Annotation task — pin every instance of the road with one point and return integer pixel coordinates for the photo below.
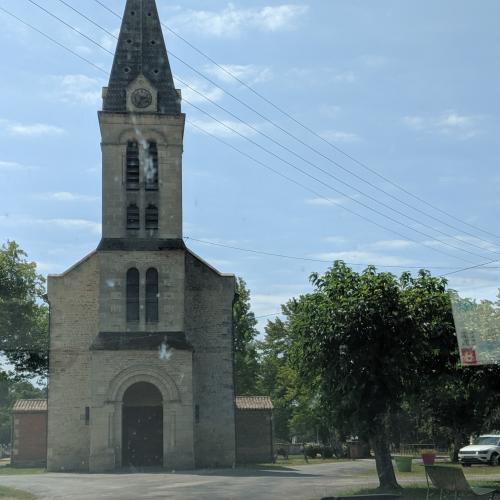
(308, 482)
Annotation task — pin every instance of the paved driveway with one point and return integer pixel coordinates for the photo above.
(298, 482)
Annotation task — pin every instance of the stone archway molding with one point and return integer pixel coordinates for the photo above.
(142, 373)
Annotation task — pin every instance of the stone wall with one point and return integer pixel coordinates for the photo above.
(74, 307)
(29, 445)
(254, 436)
(209, 328)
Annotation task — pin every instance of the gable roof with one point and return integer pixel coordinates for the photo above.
(254, 403)
(30, 405)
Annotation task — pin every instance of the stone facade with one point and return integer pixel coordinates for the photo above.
(99, 350)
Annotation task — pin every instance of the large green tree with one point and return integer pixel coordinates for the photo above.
(368, 341)
(23, 312)
(245, 348)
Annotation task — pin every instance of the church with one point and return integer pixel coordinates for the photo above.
(141, 330)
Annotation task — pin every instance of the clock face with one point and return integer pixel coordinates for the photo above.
(142, 98)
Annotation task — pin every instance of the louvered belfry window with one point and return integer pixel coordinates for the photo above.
(151, 218)
(133, 217)
(132, 295)
(132, 165)
(151, 167)
(151, 295)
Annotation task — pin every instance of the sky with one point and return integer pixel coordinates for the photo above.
(408, 90)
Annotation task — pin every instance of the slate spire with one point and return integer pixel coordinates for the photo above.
(141, 51)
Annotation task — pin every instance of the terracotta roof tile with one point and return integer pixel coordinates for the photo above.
(254, 403)
(29, 405)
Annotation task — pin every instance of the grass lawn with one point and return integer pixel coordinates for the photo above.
(417, 491)
(7, 470)
(300, 460)
(11, 493)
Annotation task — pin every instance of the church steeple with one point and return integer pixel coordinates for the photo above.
(141, 55)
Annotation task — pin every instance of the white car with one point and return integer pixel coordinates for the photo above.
(485, 450)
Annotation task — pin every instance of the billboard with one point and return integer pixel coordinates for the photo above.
(478, 331)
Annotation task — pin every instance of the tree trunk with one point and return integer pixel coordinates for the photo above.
(383, 461)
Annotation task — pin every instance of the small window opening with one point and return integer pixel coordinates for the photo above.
(152, 296)
(153, 42)
(87, 415)
(132, 165)
(132, 295)
(197, 414)
(151, 218)
(129, 41)
(133, 218)
(156, 71)
(132, 13)
(151, 166)
(126, 70)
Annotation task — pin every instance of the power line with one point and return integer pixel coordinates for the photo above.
(310, 259)
(91, 40)
(269, 168)
(5, 11)
(63, 46)
(255, 129)
(295, 154)
(350, 172)
(311, 131)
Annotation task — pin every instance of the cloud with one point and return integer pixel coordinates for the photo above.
(65, 196)
(391, 244)
(199, 87)
(336, 239)
(319, 76)
(32, 130)
(449, 123)
(345, 77)
(374, 61)
(339, 136)
(330, 110)
(249, 73)
(12, 166)
(68, 224)
(221, 130)
(109, 42)
(231, 21)
(364, 258)
(329, 201)
(78, 88)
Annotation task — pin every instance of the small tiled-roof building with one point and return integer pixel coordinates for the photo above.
(254, 429)
(29, 432)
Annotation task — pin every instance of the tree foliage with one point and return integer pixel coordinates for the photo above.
(245, 349)
(23, 314)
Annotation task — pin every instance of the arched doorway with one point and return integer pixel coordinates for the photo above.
(142, 426)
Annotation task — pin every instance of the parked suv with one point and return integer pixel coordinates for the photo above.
(485, 450)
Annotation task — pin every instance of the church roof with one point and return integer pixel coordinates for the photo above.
(254, 403)
(141, 51)
(30, 405)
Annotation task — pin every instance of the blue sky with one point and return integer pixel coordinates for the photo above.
(408, 88)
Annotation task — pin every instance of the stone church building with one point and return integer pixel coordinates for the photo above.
(141, 365)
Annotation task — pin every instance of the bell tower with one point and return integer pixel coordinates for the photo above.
(142, 131)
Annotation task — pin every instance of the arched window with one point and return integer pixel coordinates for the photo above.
(132, 165)
(133, 295)
(151, 218)
(151, 167)
(151, 296)
(133, 217)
